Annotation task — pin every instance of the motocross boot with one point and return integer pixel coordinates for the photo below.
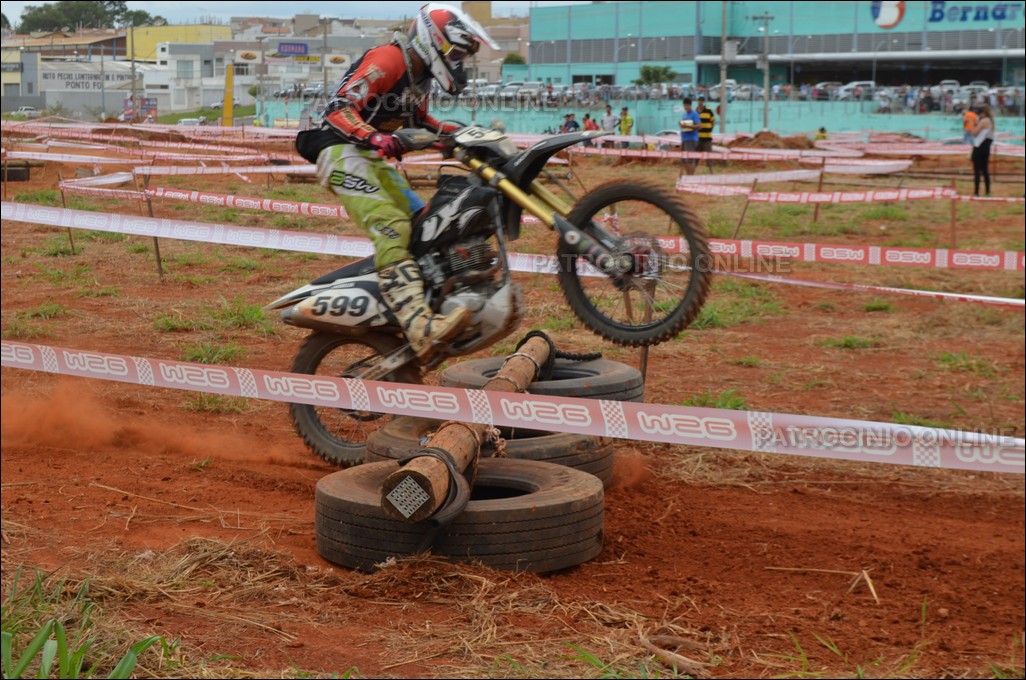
(403, 290)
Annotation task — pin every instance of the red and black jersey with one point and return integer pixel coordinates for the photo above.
(376, 95)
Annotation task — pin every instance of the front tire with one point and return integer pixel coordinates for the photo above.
(661, 291)
(339, 436)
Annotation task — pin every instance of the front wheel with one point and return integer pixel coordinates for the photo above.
(663, 264)
(339, 435)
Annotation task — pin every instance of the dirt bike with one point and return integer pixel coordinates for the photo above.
(612, 268)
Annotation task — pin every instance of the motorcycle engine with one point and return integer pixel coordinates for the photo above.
(464, 270)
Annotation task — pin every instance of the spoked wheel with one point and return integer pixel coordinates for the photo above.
(338, 435)
(662, 257)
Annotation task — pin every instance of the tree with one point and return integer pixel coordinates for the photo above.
(654, 75)
(513, 58)
(74, 14)
(4, 23)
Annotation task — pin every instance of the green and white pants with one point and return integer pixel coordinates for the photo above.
(377, 197)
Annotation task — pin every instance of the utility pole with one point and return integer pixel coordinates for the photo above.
(723, 69)
(765, 18)
(135, 101)
(324, 57)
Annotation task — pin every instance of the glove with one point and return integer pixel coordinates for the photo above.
(387, 146)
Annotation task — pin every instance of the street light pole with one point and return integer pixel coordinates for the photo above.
(723, 69)
(765, 18)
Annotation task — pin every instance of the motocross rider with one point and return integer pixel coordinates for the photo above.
(383, 91)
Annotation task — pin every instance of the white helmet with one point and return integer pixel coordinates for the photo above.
(443, 37)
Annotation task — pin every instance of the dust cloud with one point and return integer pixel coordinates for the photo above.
(75, 417)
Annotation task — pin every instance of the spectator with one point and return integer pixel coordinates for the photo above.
(983, 137)
(821, 134)
(626, 123)
(610, 122)
(570, 124)
(589, 123)
(690, 124)
(969, 119)
(705, 133)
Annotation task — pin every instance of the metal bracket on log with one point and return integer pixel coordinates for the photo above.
(418, 489)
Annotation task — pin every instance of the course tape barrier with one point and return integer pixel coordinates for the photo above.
(781, 433)
(867, 288)
(356, 246)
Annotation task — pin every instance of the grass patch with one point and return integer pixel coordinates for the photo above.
(138, 249)
(61, 277)
(239, 315)
(193, 258)
(50, 629)
(902, 418)
(961, 361)
(240, 264)
(39, 197)
(202, 402)
(100, 292)
(175, 322)
(728, 399)
(19, 329)
(825, 306)
(191, 280)
(58, 246)
(737, 302)
(747, 362)
(848, 342)
(211, 353)
(107, 236)
(885, 211)
(878, 305)
(47, 310)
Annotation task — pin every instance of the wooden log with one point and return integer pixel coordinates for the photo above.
(417, 490)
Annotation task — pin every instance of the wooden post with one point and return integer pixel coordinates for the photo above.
(744, 210)
(819, 188)
(156, 243)
(954, 213)
(426, 479)
(64, 204)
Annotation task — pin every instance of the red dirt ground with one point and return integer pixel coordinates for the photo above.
(742, 550)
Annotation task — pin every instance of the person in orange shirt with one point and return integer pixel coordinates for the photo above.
(969, 119)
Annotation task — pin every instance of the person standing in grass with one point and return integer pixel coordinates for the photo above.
(690, 124)
(705, 132)
(983, 137)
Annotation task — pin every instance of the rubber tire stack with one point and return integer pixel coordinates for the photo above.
(523, 515)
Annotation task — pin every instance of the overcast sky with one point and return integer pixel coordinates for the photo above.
(192, 12)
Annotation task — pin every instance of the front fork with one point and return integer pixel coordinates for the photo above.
(552, 211)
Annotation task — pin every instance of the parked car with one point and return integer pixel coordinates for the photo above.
(714, 93)
(747, 92)
(825, 91)
(979, 83)
(967, 96)
(219, 104)
(489, 93)
(508, 93)
(28, 112)
(855, 90)
(189, 121)
(944, 87)
(530, 91)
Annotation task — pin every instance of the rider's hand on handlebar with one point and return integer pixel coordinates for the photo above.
(387, 146)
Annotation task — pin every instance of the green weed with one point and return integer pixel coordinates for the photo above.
(848, 342)
(47, 310)
(202, 402)
(902, 418)
(747, 362)
(961, 361)
(175, 322)
(21, 330)
(878, 305)
(210, 353)
(100, 292)
(728, 399)
(58, 276)
(240, 264)
(39, 197)
(239, 315)
(58, 246)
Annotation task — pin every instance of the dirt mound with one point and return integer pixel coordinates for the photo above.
(771, 140)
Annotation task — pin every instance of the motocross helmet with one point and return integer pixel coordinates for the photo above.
(443, 37)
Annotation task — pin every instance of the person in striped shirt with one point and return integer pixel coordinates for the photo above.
(705, 132)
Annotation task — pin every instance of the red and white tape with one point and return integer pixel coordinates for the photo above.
(781, 433)
(355, 246)
(814, 197)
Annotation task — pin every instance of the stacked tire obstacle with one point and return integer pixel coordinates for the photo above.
(537, 502)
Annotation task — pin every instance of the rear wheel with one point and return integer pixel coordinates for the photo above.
(663, 264)
(339, 435)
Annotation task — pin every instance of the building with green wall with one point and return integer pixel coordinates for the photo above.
(915, 42)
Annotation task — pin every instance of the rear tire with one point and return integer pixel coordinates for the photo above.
(339, 436)
(596, 379)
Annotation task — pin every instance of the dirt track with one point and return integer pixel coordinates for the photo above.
(754, 560)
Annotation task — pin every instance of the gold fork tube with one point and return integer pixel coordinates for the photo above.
(537, 206)
(552, 200)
